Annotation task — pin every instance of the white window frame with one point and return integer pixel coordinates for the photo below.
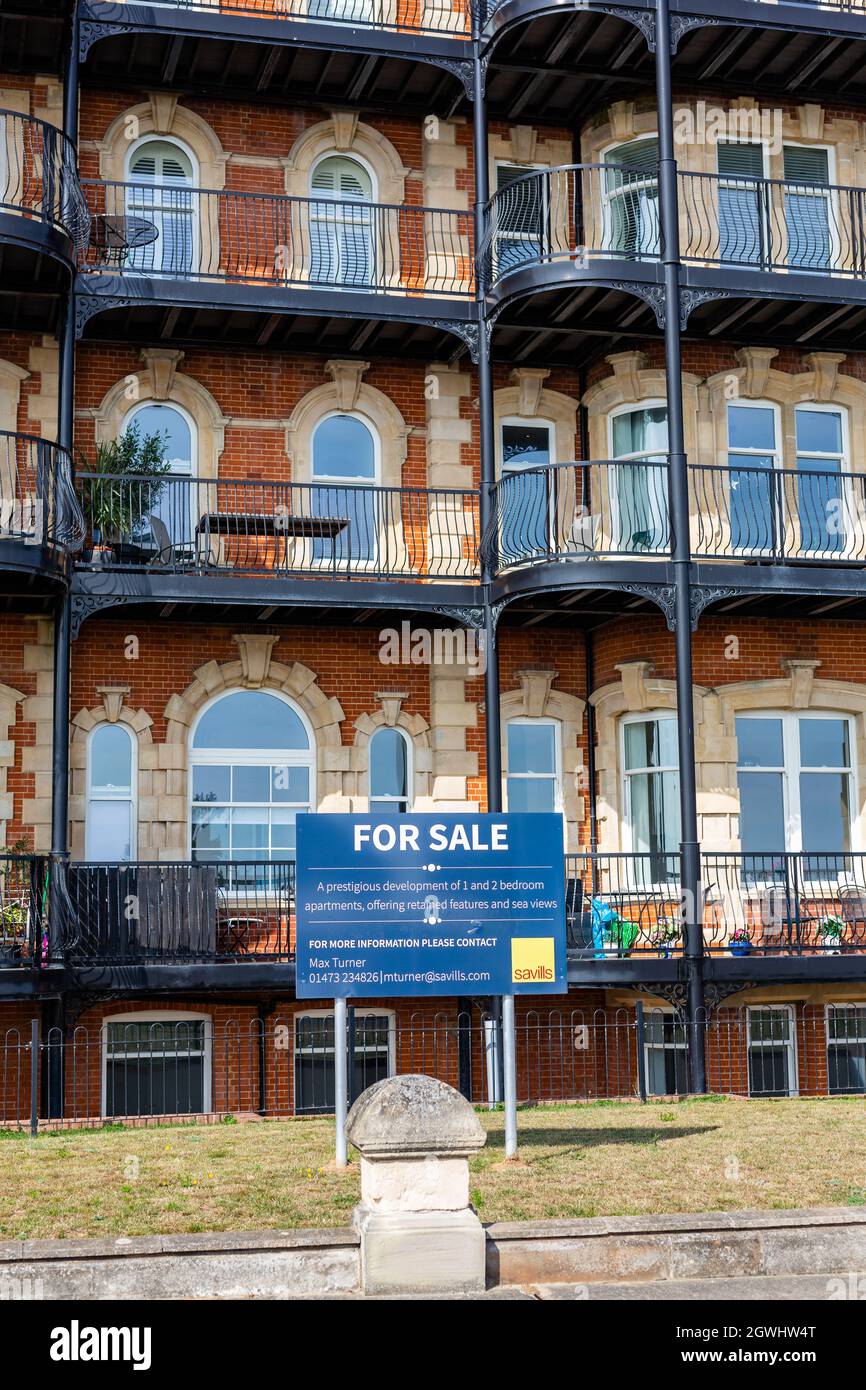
(195, 499)
(248, 757)
(162, 1016)
(777, 522)
(634, 408)
(196, 201)
(846, 480)
(360, 1011)
(410, 770)
(640, 717)
(535, 721)
(315, 196)
(831, 199)
(347, 481)
(842, 1005)
(790, 1045)
(792, 768)
(131, 800)
(649, 1046)
(511, 237)
(380, 519)
(608, 197)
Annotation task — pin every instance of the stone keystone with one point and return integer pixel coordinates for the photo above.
(418, 1232)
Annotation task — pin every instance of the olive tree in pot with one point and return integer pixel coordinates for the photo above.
(122, 487)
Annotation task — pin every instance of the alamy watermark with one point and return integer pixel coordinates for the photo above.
(439, 646)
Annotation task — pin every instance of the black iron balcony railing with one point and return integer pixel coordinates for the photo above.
(778, 514)
(772, 224)
(175, 912)
(578, 511)
(180, 233)
(39, 177)
(450, 17)
(619, 509)
(587, 212)
(23, 910)
(230, 526)
(38, 505)
(575, 213)
(617, 906)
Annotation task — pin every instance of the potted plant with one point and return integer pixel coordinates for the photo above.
(121, 487)
(13, 930)
(831, 930)
(739, 942)
(667, 931)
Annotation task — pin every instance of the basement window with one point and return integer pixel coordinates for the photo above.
(846, 1049)
(156, 1066)
(372, 1056)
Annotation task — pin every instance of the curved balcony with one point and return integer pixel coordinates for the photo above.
(43, 216)
(40, 519)
(227, 528)
(269, 253)
(402, 16)
(550, 58)
(742, 238)
(595, 514)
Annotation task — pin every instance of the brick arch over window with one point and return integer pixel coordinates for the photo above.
(114, 710)
(391, 715)
(537, 698)
(255, 670)
(159, 380)
(343, 133)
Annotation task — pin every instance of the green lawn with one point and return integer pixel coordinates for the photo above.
(588, 1160)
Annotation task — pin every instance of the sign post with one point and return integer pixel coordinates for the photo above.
(341, 1079)
(424, 905)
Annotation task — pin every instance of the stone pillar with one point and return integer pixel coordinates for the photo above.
(418, 1232)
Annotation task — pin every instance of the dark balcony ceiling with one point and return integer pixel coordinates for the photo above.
(573, 327)
(32, 35)
(560, 67)
(276, 329)
(268, 60)
(30, 287)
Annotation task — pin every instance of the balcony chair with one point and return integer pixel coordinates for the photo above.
(852, 901)
(167, 551)
(584, 533)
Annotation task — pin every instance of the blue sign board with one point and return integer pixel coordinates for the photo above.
(430, 904)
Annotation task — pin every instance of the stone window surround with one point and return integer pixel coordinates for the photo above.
(392, 715)
(537, 698)
(163, 802)
(160, 382)
(529, 398)
(347, 393)
(343, 133)
(715, 740)
(807, 124)
(9, 701)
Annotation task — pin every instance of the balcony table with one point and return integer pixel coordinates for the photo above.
(116, 234)
(254, 526)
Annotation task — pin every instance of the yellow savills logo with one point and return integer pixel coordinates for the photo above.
(532, 960)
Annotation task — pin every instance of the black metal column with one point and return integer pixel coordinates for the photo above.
(679, 511)
(487, 448)
(70, 82)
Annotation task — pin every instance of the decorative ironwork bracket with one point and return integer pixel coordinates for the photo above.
(653, 295)
(682, 24)
(468, 617)
(665, 598)
(83, 606)
(690, 299)
(86, 305)
(715, 994)
(90, 31)
(461, 68)
(644, 20)
(468, 330)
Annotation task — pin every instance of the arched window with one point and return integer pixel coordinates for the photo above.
(345, 456)
(341, 223)
(166, 520)
(252, 771)
(639, 485)
(650, 763)
(390, 771)
(160, 198)
(110, 818)
(631, 198)
(528, 498)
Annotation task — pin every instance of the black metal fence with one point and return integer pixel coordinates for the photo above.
(230, 526)
(130, 1066)
(38, 504)
(161, 229)
(39, 176)
(617, 906)
(450, 17)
